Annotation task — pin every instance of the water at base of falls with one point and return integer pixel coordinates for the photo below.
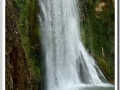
(92, 87)
(67, 62)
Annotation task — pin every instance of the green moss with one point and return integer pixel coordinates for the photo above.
(109, 73)
(103, 65)
(98, 34)
(30, 34)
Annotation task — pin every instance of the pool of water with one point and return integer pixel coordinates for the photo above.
(97, 88)
(93, 87)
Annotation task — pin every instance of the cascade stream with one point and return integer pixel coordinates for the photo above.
(68, 64)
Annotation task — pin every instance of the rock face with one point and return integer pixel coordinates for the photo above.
(18, 75)
(97, 31)
(99, 9)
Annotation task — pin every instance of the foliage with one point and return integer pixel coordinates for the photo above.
(31, 36)
(97, 30)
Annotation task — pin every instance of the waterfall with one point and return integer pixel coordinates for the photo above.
(67, 61)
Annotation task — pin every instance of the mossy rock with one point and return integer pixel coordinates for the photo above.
(103, 66)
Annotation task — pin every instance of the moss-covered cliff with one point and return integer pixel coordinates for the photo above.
(97, 25)
(24, 57)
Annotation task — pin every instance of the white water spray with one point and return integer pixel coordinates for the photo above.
(67, 62)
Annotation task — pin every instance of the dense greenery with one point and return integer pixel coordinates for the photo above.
(98, 33)
(30, 34)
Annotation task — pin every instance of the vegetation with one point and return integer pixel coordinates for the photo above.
(97, 25)
(30, 36)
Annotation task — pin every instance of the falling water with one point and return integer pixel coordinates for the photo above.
(68, 64)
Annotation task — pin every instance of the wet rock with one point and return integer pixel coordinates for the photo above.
(18, 76)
